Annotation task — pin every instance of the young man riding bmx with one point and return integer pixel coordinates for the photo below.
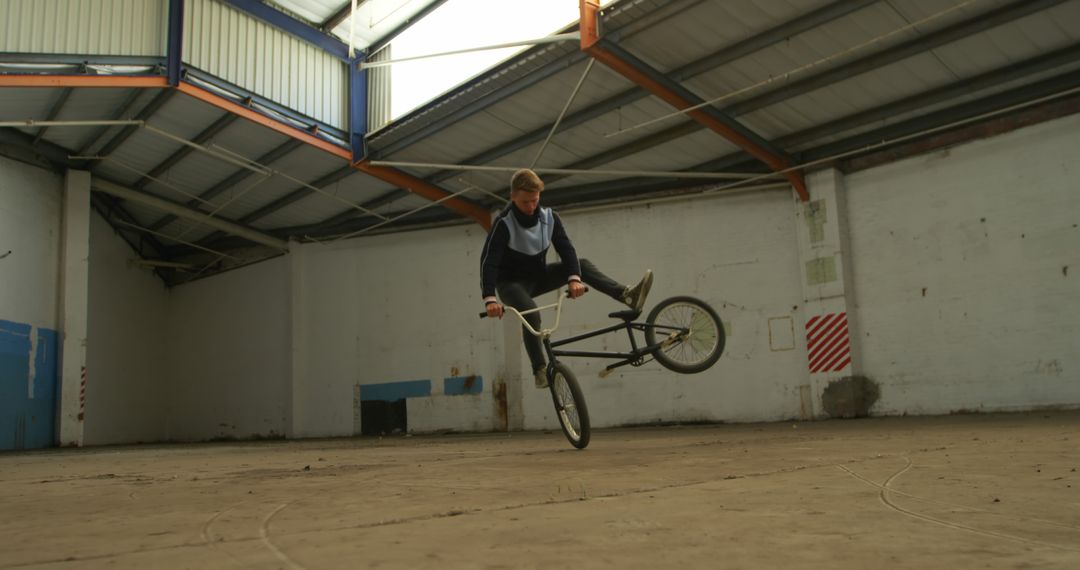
(514, 264)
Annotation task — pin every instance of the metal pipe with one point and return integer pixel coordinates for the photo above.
(225, 204)
(33, 123)
(621, 204)
(906, 137)
(143, 174)
(555, 127)
(152, 232)
(161, 263)
(650, 173)
(398, 217)
(197, 146)
(308, 186)
(178, 210)
(786, 76)
(567, 37)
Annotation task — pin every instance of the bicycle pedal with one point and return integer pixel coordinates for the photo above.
(604, 373)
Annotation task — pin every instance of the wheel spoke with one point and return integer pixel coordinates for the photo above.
(568, 414)
(699, 342)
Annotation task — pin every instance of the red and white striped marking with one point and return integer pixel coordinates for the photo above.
(827, 344)
(82, 395)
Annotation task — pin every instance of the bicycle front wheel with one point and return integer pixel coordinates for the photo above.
(689, 332)
(570, 406)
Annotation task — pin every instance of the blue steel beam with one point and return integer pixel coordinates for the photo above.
(292, 26)
(174, 63)
(358, 108)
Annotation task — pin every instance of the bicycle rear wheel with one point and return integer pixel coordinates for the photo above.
(570, 406)
(687, 352)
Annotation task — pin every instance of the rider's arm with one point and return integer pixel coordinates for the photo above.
(490, 258)
(565, 249)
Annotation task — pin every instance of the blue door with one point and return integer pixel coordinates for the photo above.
(27, 393)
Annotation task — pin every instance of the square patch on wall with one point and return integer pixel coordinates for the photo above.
(781, 334)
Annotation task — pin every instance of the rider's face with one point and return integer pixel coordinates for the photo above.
(525, 201)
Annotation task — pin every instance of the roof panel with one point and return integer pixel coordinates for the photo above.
(20, 104)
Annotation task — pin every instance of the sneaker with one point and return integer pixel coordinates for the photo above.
(540, 376)
(635, 296)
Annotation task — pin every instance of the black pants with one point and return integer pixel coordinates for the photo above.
(519, 295)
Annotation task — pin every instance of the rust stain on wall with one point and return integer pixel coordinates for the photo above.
(501, 415)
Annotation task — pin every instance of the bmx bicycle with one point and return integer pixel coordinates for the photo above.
(683, 334)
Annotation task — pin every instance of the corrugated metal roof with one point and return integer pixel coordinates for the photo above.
(806, 78)
(374, 18)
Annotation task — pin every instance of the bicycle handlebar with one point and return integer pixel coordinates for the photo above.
(521, 314)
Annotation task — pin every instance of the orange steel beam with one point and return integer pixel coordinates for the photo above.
(80, 81)
(256, 117)
(425, 189)
(186, 88)
(386, 174)
(590, 44)
(391, 175)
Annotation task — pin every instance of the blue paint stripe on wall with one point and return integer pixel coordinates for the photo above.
(393, 391)
(27, 422)
(14, 338)
(41, 422)
(462, 385)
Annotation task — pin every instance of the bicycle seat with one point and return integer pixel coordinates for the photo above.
(627, 315)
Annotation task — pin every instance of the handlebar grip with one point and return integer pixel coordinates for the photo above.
(483, 315)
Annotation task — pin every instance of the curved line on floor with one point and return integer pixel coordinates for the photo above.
(208, 539)
(958, 505)
(884, 489)
(264, 534)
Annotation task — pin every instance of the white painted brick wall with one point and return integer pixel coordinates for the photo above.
(997, 329)
(986, 230)
(396, 308)
(30, 206)
(403, 307)
(127, 372)
(228, 361)
(737, 253)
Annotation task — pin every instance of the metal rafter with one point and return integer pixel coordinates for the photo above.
(338, 17)
(293, 26)
(828, 13)
(125, 193)
(427, 190)
(53, 112)
(233, 179)
(267, 209)
(121, 111)
(532, 78)
(202, 138)
(144, 115)
(950, 34)
(726, 55)
(908, 128)
(981, 82)
(679, 97)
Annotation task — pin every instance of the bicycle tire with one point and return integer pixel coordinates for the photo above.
(570, 408)
(703, 346)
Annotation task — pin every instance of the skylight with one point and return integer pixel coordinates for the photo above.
(463, 24)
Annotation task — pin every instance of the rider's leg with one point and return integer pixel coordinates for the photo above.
(518, 295)
(593, 277)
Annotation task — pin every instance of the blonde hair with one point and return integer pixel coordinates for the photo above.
(526, 180)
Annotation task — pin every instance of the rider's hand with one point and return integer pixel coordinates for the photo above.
(576, 288)
(494, 310)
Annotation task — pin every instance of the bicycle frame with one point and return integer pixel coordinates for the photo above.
(635, 356)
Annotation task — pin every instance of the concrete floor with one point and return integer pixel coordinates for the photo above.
(986, 491)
